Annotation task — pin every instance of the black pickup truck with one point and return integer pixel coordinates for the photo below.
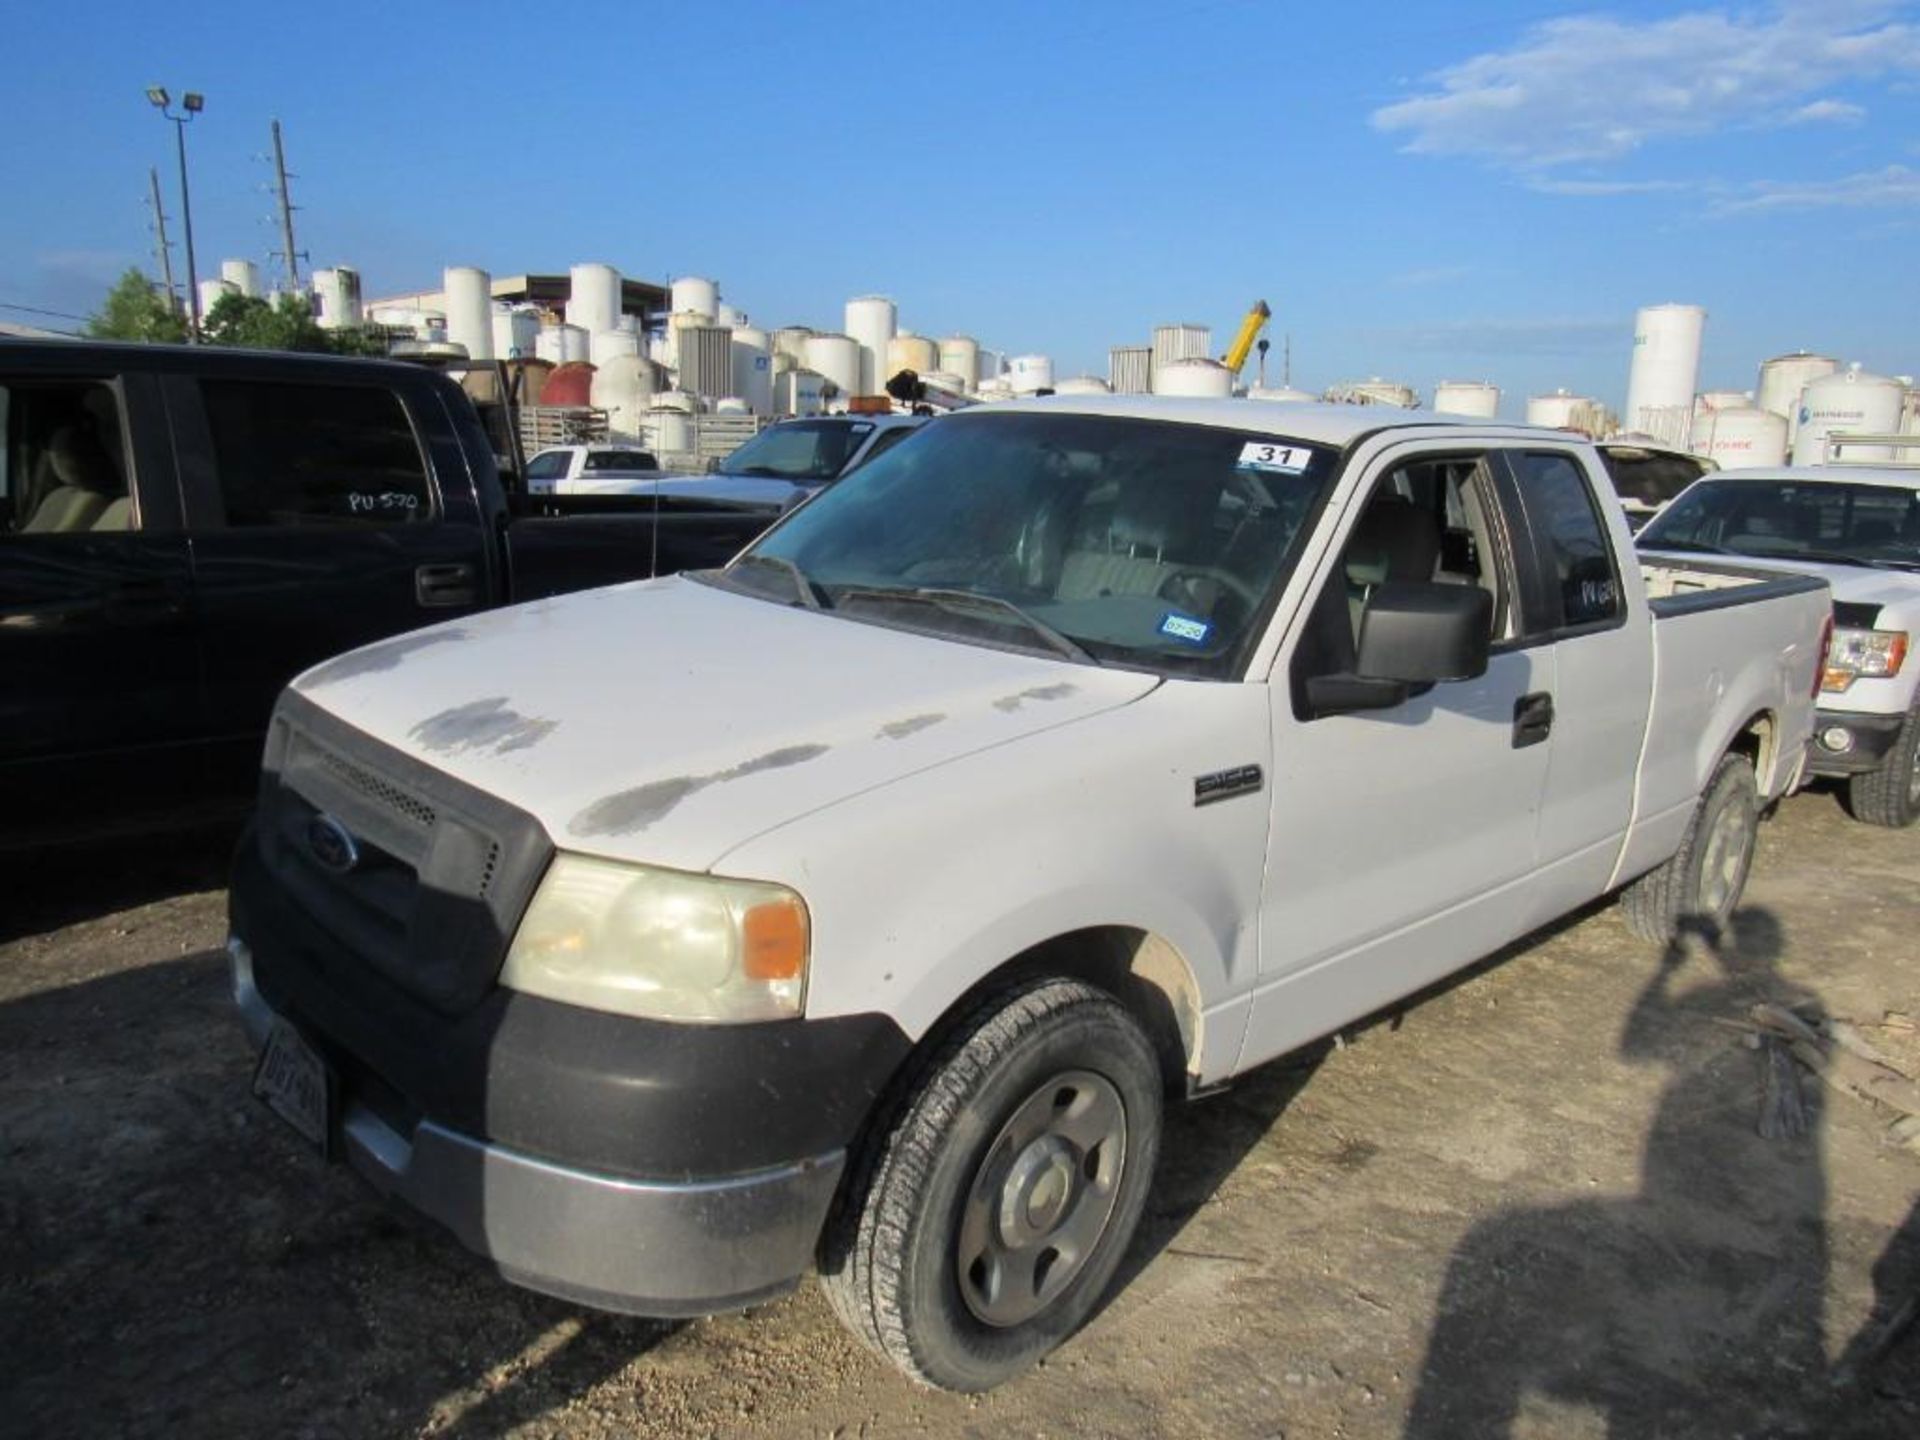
(183, 530)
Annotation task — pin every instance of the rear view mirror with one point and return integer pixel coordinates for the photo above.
(1420, 633)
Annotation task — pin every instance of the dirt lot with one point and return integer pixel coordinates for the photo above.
(1533, 1203)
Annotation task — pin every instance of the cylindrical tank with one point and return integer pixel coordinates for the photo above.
(947, 380)
(1281, 392)
(1193, 375)
(669, 430)
(1479, 398)
(1739, 435)
(1130, 369)
(706, 360)
(1722, 400)
(1180, 342)
(1849, 401)
(1784, 377)
(1562, 410)
(729, 316)
(514, 329)
(690, 292)
(791, 340)
(798, 392)
(243, 275)
(1666, 367)
(1375, 391)
(593, 298)
(992, 366)
(1910, 419)
(998, 388)
(960, 355)
(1082, 385)
(1028, 373)
(571, 383)
(753, 368)
(836, 359)
(469, 294)
(910, 352)
(336, 297)
(623, 387)
(731, 405)
(606, 345)
(563, 345)
(871, 321)
(212, 292)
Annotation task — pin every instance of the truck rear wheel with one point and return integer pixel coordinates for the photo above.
(1701, 883)
(987, 1215)
(1890, 794)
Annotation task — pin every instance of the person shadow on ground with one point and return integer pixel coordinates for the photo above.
(1696, 1305)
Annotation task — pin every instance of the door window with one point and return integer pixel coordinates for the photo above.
(1582, 585)
(552, 465)
(621, 460)
(63, 468)
(304, 454)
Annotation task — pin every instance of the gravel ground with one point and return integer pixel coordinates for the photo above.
(1533, 1203)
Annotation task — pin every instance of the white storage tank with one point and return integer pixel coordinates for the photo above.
(871, 321)
(791, 340)
(514, 330)
(706, 360)
(731, 405)
(1478, 398)
(1722, 400)
(947, 380)
(243, 275)
(1910, 419)
(836, 359)
(562, 345)
(1029, 373)
(727, 315)
(799, 392)
(1563, 410)
(469, 295)
(1083, 385)
(1130, 369)
(1284, 393)
(960, 355)
(1375, 391)
(998, 388)
(1193, 375)
(1849, 401)
(669, 431)
(992, 366)
(1665, 370)
(336, 297)
(593, 298)
(1783, 378)
(1180, 342)
(910, 352)
(612, 344)
(623, 387)
(1734, 436)
(690, 292)
(212, 292)
(753, 368)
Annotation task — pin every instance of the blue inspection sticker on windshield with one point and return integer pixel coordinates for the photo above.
(1185, 627)
(1282, 459)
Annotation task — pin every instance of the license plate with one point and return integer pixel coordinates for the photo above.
(292, 1079)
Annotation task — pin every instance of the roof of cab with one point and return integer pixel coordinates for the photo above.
(1338, 425)
(1904, 477)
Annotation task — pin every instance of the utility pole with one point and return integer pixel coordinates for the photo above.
(291, 255)
(161, 248)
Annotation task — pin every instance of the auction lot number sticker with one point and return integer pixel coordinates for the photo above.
(1264, 455)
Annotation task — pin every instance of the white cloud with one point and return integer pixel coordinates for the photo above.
(1593, 87)
(1896, 187)
(1828, 111)
(1607, 187)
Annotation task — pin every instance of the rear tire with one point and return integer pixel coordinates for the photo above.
(1701, 883)
(989, 1211)
(1890, 794)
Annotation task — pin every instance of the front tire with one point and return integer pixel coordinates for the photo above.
(989, 1212)
(1701, 883)
(1890, 794)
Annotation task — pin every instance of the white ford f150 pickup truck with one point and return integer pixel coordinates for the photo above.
(1857, 528)
(858, 904)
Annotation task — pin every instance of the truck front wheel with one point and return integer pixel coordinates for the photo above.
(988, 1214)
(1890, 794)
(1702, 881)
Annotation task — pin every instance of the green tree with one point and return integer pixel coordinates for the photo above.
(136, 310)
(286, 323)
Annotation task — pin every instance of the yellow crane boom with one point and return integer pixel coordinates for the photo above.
(1257, 317)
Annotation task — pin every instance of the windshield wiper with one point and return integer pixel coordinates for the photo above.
(973, 600)
(802, 586)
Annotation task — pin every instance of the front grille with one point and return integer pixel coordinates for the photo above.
(443, 871)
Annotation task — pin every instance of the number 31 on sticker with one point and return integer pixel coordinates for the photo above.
(1264, 455)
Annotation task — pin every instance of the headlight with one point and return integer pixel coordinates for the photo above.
(659, 943)
(1874, 654)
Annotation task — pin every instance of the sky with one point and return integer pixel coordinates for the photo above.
(1430, 190)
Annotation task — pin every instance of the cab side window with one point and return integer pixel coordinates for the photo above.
(302, 454)
(63, 469)
(1582, 585)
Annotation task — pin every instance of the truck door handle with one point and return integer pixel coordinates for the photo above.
(144, 599)
(438, 587)
(1532, 719)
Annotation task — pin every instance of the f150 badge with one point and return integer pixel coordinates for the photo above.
(1225, 784)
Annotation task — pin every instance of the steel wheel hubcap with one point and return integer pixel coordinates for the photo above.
(1726, 853)
(1042, 1198)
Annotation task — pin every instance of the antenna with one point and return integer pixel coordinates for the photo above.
(287, 250)
(160, 247)
(1286, 362)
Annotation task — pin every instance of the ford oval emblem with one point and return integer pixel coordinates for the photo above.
(332, 844)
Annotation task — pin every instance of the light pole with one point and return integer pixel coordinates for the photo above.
(192, 103)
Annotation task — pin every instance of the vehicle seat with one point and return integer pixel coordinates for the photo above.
(1394, 540)
(83, 481)
(117, 516)
(1768, 520)
(1131, 556)
(1874, 532)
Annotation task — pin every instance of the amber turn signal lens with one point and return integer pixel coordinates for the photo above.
(774, 937)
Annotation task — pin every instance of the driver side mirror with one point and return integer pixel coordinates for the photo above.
(1413, 635)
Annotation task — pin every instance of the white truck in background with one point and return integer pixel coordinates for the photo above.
(860, 904)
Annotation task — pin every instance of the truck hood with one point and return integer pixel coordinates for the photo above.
(669, 721)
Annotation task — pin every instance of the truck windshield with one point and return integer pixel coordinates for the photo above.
(799, 450)
(1832, 523)
(1104, 539)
